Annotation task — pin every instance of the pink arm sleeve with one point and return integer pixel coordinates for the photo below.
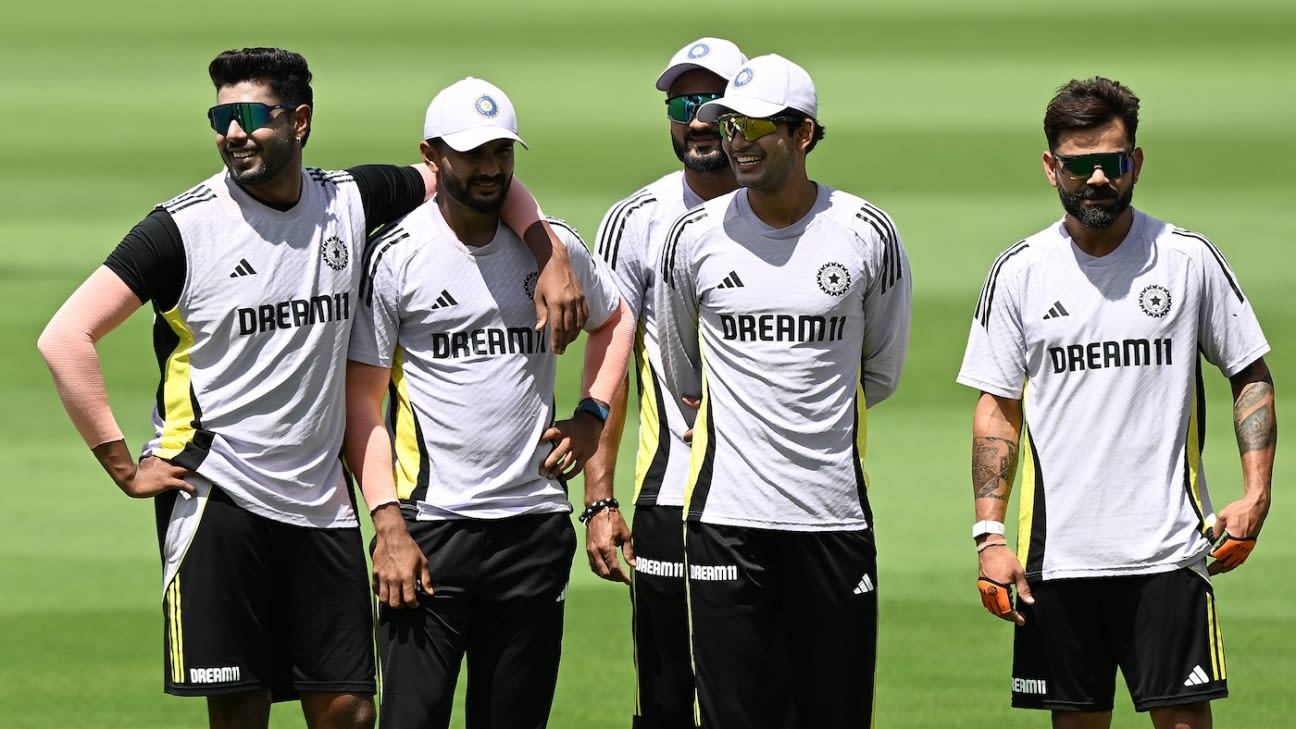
(520, 210)
(607, 355)
(97, 307)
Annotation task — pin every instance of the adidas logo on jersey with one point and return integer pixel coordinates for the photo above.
(732, 281)
(444, 300)
(865, 585)
(1057, 310)
(243, 269)
(1198, 677)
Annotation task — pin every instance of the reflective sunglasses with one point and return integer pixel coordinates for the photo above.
(250, 115)
(682, 109)
(1081, 166)
(731, 125)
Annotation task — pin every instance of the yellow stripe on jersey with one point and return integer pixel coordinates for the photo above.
(698, 452)
(649, 418)
(406, 439)
(1026, 500)
(861, 431)
(174, 628)
(178, 411)
(1194, 447)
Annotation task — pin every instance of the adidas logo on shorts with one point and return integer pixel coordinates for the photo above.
(865, 585)
(1198, 677)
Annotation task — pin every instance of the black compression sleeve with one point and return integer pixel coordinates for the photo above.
(388, 192)
(151, 260)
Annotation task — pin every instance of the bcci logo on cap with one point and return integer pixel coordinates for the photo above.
(1155, 301)
(833, 279)
(487, 107)
(334, 252)
(699, 50)
(743, 78)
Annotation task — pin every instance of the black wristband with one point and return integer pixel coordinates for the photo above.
(592, 406)
(596, 507)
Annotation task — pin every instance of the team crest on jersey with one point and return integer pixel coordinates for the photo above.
(743, 78)
(1154, 300)
(529, 284)
(833, 279)
(335, 253)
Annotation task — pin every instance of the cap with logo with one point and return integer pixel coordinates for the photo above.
(470, 113)
(716, 55)
(763, 87)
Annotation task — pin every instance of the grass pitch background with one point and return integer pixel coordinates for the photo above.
(933, 111)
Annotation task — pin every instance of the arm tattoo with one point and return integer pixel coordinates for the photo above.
(1253, 418)
(994, 466)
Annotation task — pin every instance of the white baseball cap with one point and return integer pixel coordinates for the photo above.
(763, 87)
(716, 55)
(470, 113)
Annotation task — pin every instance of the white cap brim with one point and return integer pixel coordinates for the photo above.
(470, 139)
(744, 105)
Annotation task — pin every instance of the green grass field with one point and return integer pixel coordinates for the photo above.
(933, 111)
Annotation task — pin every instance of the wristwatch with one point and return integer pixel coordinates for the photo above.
(987, 527)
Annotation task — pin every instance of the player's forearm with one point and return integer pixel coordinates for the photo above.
(366, 444)
(600, 469)
(1255, 423)
(607, 355)
(996, 433)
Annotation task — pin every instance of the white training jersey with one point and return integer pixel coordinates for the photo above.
(1104, 353)
(252, 353)
(630, 240)
(788, 334)
(472, 381)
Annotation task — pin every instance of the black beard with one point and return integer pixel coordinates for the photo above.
(1099, 216)
(704, 163)
(461, 195)
(275, 156)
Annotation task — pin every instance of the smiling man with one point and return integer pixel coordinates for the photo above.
(630, 240)
(1087, 346)
(784, 307)
(253, 275)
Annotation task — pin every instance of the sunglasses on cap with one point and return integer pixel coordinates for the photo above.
(752, 128)
(250, 115)
(682, 109)
(1081, 166)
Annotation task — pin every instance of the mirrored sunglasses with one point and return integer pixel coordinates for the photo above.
(1081, 166)
(250, 115)
(682, 109)
(731, 125)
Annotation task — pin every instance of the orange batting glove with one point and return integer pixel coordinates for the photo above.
(1230, 552)
(995, 596)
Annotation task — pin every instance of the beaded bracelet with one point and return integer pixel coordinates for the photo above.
(596, 507)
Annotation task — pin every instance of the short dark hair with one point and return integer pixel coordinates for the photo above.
(794, 118)
(1089, 103)
(285, 72)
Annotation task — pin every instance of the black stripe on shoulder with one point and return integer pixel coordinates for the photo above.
(374, 250)
(199, 194)
(885, 227)
(1219, 258)
(609, 242)
(992, 281)
(560, 223)
(329, 177)
(672, 242)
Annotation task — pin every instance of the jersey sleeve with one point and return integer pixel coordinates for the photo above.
(887, 310)
(151, 260)
(377, 324)
(995, 358)
(677, 305)
(623, 247)
(387, 192)
(1229, 335)
(601, 293)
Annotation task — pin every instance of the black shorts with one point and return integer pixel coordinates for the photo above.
(784, 626)
(258, 604)
(1161, 630)
(663, 667)
(498, 592)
